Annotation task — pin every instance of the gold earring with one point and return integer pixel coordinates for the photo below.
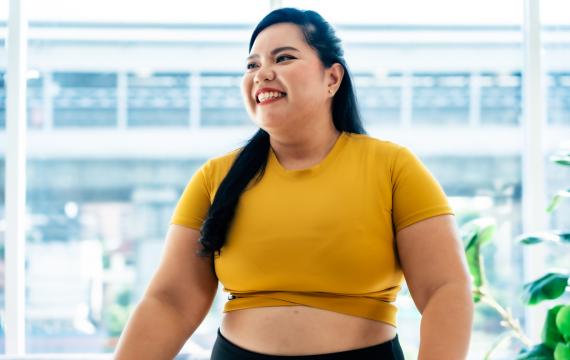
(330, 91)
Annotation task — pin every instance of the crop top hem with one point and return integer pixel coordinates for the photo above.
(365, 307)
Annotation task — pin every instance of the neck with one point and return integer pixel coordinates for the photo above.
(304, 148)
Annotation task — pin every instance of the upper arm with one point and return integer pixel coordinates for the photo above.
(193, 204)
(431, 255)
(183, 278)
(416, 193)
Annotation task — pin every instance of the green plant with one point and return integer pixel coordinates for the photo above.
(477, 234)
(555, 333)
(117, 314)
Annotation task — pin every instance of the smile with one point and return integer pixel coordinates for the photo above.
(269, 97)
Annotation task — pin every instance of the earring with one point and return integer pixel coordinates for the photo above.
(330, 91)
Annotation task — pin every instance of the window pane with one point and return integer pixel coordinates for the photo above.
(84, 99)
(221, 101)
(163, 12)
(380, 98)
(3, 25)
(558, 101)
(3, 97)
(555, 35)
(501, 98)
(440, 98)
(35, 100)
(160, 99)
(414, 12)
(104, 219)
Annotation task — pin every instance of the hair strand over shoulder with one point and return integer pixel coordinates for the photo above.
(252, 159)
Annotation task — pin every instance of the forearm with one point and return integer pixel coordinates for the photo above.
(446, 323)
(156, 330)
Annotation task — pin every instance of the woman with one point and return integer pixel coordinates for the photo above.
(310, 227)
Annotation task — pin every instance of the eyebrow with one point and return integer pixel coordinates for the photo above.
(273, 52)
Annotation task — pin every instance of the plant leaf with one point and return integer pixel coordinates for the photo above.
(475, 264)
(477, 233)
(550, 335)
(538, 352)
(483, 228)
(557, 199)
(561, 159)
(469, 237)
(559, 237)
(562, 351)
(563, 321)
(550, 286)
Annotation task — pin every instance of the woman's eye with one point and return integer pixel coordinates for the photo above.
(284, 57)
(250, 66)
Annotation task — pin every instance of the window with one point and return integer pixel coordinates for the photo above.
(84, 99)
(160, 99)
(380, 98)
(559, 98)
(440, 99)
(35, 99)
(221, 100)
(500, 98)
(3, 99)
(555, 28)
(3, 21)
(124, 106)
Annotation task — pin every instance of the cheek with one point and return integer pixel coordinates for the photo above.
(308, 87)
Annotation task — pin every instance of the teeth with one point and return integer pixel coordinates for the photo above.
(267, 95)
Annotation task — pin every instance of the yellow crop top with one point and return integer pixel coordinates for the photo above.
(323, 236)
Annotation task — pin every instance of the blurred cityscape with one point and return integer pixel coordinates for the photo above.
(120, 116)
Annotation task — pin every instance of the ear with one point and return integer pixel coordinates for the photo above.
(335, 74)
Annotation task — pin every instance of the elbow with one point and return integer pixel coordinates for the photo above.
(466, 284)
(462, 290)
(457, 290)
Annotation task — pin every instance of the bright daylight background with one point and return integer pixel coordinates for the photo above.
(127, 98)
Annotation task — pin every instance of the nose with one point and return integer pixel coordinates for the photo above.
(264, 73)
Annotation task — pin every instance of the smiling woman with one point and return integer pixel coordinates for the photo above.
(311, 227)
(160, 83)
(286, 73)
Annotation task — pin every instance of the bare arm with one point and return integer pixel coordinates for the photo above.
(435, 269)
(176, 301)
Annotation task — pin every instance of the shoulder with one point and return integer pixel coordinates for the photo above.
(226, 159)
(388, 156)
(371, 145)
(218, 166)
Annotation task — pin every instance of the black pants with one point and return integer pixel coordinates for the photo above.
(390, 350)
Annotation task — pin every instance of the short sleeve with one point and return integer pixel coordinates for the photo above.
(193, 204)
(416, 194)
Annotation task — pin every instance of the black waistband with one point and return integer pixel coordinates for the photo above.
(226, 350)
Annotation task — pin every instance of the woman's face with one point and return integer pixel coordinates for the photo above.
(285, 85)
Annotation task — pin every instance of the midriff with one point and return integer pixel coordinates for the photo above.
(301, 330)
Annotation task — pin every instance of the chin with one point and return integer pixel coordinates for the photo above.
(270, 122)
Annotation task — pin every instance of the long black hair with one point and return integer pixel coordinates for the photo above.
(252, 158)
